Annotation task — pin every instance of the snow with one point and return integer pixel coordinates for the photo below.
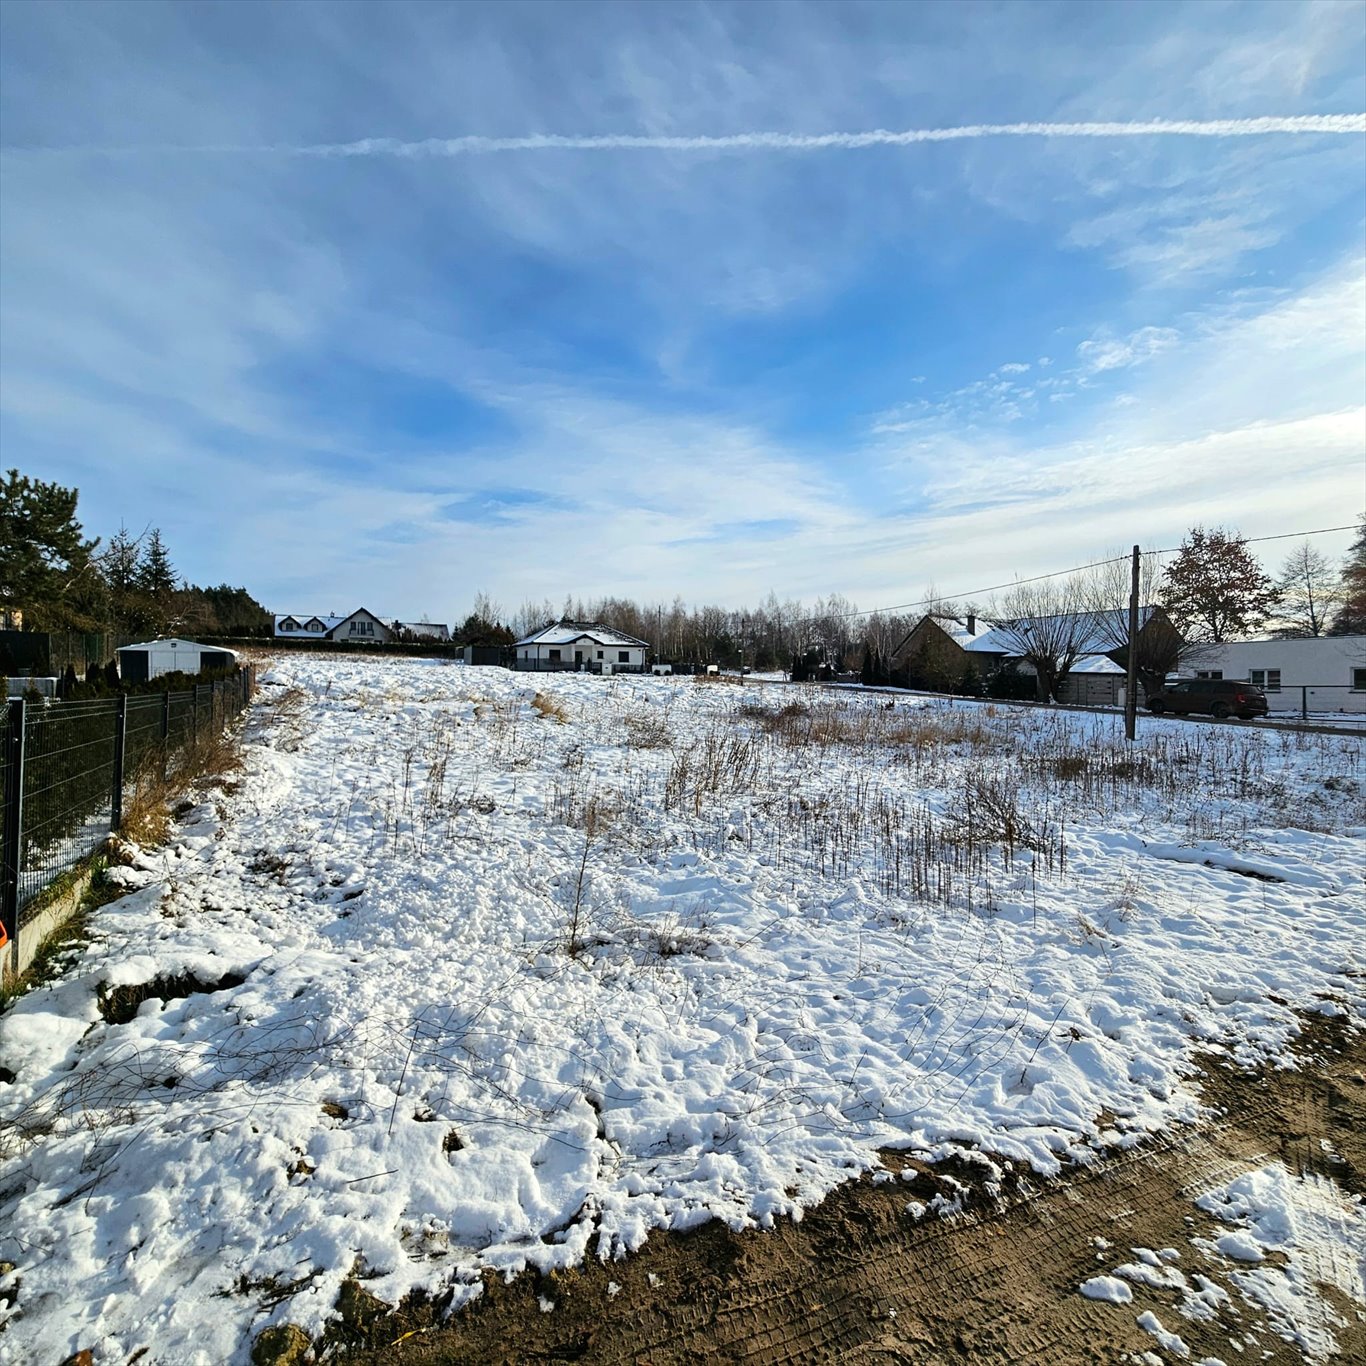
(1108, 1288)
(516, 992)
(1170, 1342)
(1319, 1232)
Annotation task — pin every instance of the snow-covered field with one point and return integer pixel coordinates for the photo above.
(504, 983)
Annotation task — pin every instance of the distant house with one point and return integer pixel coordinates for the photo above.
(1316, 674)
(588, 646)
(361, 626)
(940, 652)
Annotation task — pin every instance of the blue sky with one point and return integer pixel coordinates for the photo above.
(246, 298)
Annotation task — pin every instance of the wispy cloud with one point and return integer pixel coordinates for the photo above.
(480, 145)
(1119, 353)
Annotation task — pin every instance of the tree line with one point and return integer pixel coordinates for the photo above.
(1213, 590)
(55, 579)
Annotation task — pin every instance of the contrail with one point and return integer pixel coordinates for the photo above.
(479, 145)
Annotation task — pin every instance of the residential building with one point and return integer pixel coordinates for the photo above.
(587, 646)
(1312, 674)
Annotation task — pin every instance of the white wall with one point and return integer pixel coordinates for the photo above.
(611, 654)
(1324, 665)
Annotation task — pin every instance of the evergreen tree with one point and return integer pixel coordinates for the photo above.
(45, 563)
(1351, 617)
(157, 581)
(129, 611)
(1215, 590)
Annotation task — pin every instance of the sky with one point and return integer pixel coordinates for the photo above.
(395, 304)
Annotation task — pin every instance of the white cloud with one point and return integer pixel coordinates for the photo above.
(1119, 353)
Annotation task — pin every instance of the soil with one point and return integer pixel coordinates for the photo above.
(859, 1281)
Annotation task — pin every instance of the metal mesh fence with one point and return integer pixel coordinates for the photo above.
(68, 777)
(79, 760)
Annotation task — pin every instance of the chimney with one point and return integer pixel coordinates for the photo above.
(972, 624)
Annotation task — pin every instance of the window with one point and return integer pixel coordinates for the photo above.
(554, 655)
(599, 654)
(1268, 680)
(623, 656)
(1209, 673)
(1359, 680)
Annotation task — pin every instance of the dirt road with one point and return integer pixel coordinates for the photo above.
(859, 1281)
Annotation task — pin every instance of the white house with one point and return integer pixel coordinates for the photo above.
(1318, 674)
(361, 626)
(581, 645)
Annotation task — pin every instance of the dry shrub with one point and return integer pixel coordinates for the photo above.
(550, 707)
(648, 730)
(165, 778)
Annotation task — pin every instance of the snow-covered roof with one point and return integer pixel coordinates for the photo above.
(1099, 632)
(177, 643)
(303, 618)
(567, 632)
(958, 632)
(1096, 664)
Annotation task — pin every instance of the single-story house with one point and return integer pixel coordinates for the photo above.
(940, 651)
(588, 646)
(151, 659)
(360, 626)
(1314, 674)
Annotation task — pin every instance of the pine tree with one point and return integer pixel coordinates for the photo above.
(1351, 617)
(157, 581)
(45, 564)
(1215, 590)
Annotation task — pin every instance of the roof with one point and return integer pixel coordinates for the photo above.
(1099, 632)
(177, 643)
(567, 632)
(301, 617)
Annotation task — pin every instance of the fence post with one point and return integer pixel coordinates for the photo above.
(120, 749)
(166, 715)
(1304, 701)
(194, 725)
(11, 866)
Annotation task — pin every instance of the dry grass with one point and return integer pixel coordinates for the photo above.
(648, 730)
(164, 781)
(550, 707)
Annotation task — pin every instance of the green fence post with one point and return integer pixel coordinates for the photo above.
(120, 751)
(12, 860)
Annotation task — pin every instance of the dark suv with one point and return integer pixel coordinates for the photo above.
(1217, 697)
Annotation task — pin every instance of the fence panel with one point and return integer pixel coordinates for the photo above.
(68, 789)
(74, 759)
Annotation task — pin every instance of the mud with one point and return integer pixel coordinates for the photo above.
(858, 1281)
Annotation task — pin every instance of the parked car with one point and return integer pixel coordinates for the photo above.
(1217, 697)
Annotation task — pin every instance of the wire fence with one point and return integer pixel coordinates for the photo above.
(66, 769)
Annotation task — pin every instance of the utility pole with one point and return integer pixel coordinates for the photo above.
(1131, 662)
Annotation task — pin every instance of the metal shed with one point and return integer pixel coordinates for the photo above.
(151, 659)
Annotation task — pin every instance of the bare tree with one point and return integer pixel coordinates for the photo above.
(1311, 590)
(1047, 626)
(1104, 591)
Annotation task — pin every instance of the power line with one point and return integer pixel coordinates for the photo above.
(1076, 569)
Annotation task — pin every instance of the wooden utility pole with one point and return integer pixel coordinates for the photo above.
(1131, 660)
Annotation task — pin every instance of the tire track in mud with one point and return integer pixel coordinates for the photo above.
(858, 1281)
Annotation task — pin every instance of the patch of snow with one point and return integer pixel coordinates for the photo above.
(1109, 1288)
